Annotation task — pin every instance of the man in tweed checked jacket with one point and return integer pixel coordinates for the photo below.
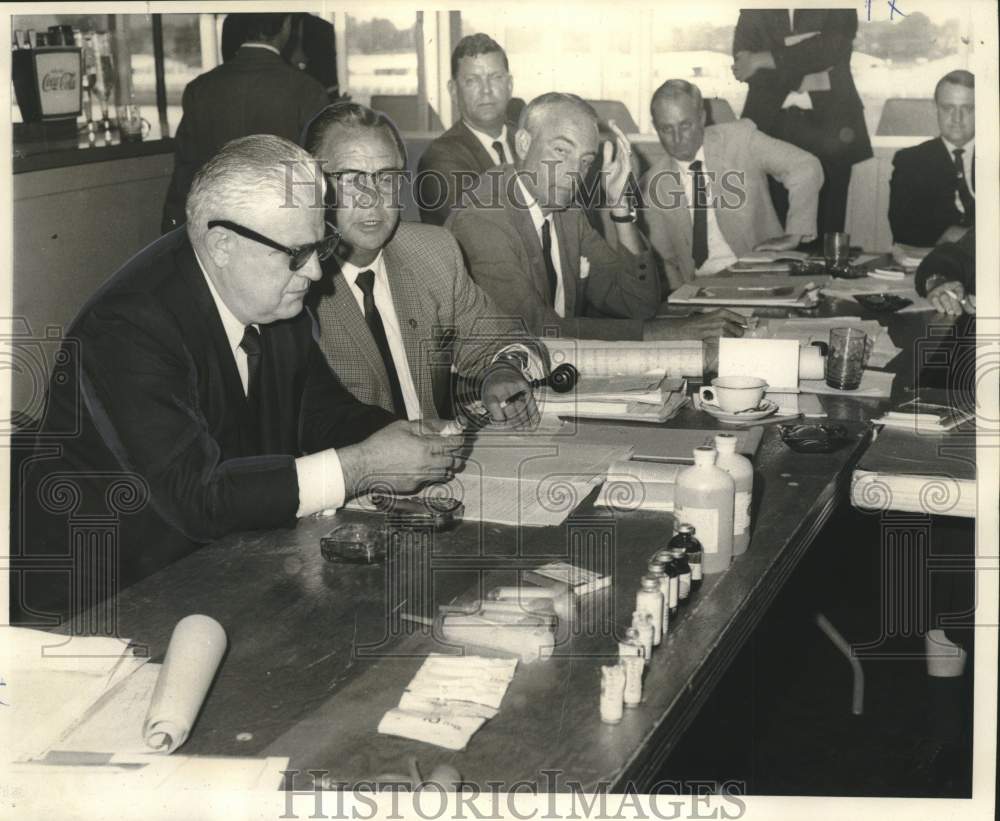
(396, 308)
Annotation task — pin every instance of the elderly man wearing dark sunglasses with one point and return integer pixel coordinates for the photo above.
(192, 383)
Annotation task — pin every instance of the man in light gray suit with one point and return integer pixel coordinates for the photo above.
(707, 201)
(396, 307)
(535, 253)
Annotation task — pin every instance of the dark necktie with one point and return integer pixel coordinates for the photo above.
(550, 268)
(366, 282)
(252, 348)
(251, 345)
(962, 184)
(699, 239)
(498, 147)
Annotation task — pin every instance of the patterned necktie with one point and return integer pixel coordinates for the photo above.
(550, 268)
(366, 282)
(699, 239)
(962, 185)
(498, 147)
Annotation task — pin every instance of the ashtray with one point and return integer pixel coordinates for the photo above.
(814, 438)
(806, 267)
(882, 303)
(354, 544)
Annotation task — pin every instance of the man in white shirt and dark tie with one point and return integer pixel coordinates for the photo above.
(707, 201)
(932, 196)
(481, 86)
(399, 317)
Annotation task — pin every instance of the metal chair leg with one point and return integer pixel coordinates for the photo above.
(858, 700)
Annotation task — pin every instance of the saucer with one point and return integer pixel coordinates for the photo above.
(765, 408)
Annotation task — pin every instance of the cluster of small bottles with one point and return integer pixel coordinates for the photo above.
(712, 498)
(674, 574)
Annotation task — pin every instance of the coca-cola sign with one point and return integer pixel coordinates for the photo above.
(58, 76)
(59, 81)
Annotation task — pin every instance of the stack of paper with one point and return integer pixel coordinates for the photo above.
(450, 698)
(926, 417)
(875, 384)
(638, 485)
(53, 682)
(523, 480)
(635, 398)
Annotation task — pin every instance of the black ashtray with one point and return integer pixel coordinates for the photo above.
(806, 267)
(814, 438)
(882, 303)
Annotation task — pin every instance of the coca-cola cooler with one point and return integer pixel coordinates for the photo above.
(47, 83)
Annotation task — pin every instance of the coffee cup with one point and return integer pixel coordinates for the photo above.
(733, 394)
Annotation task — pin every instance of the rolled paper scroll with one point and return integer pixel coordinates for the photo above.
(192, 659)
(811, 363)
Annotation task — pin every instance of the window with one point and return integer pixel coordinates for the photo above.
(382, 59)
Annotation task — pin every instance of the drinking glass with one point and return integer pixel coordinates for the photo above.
(837, 251)
(106, 76)
(847, 357)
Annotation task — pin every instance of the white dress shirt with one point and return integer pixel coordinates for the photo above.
(265, 46)
(538, 218)
(320, 475)
(390, 322)
(720, 255)
(488, 141)
(967, 158)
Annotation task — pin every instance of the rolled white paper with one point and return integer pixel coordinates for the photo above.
(811, 363)
(192, 659)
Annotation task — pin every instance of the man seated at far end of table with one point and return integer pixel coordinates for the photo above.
(708, 202)
(536, 254)
(932, 190)
(191, 400)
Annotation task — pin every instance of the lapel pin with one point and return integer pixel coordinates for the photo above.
(413, 322)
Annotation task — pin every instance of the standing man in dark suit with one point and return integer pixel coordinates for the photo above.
(191, 398)
(480, 87)
(797, 64)
(932, 193)
(535, 253)
(396, 307)
(256, 92)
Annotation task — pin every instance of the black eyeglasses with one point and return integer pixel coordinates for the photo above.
(298, 256)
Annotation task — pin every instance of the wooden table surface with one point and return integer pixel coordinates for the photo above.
(318, 651)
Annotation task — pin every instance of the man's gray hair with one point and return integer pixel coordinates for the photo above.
(536, 110)
(243, 173)
(672, 89)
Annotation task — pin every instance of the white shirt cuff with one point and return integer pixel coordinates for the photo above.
(321, 482)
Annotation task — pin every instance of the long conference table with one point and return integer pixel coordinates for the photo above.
(318, 651)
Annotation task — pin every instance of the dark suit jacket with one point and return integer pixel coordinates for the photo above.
(456, 152)
(147, 422)
(922, 194)
(956, 261)
(256, 92)
(504, 256)
(444, 319)
(836, 127)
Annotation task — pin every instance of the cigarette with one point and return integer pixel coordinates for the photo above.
(953, 295)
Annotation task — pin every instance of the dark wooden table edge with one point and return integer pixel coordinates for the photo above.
(648, 760)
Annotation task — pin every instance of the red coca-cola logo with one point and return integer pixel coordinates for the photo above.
(58, 80)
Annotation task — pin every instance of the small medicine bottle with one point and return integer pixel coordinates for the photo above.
(685, 540)
(649, 599)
